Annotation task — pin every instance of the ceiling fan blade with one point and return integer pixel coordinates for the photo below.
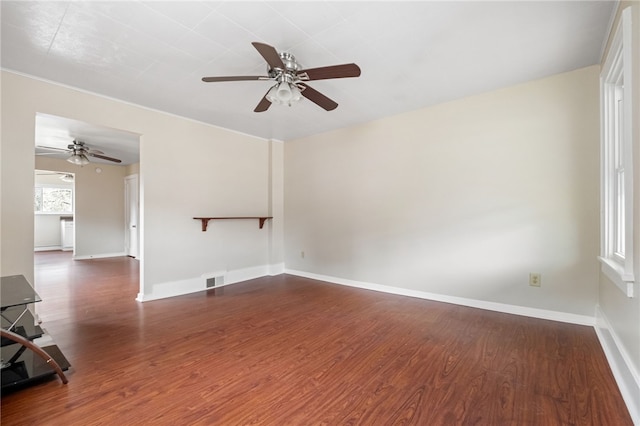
(270, 54)
(318, 98)
(264, 104)
(104, 157)
(53, 148)
(333, 71)
(235, 78)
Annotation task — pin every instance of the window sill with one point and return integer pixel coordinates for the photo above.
(616, 273)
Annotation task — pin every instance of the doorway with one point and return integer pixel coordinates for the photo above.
(100, 158)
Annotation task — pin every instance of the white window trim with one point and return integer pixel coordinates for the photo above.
(617, 67)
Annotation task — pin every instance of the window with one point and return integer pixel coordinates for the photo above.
(52, 199)
(616, 162)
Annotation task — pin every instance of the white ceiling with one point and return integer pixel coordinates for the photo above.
(412, 54)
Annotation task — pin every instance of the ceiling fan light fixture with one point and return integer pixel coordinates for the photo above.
(78, 159)
(284, 93)
(272, 95)
(296, 95)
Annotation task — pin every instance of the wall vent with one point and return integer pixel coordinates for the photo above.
(215, 281)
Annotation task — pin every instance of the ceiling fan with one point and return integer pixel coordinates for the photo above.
(64, 176)
(79, 153)
(291, 79)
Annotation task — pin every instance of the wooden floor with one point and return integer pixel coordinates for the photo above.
(291, 351)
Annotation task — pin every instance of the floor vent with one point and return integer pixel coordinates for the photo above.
(215, 281)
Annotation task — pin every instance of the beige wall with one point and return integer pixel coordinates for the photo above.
(186, 169)
(133, 169)
(463, 199)
(47, 232)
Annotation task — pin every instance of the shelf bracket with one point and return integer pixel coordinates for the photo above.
(205, 220)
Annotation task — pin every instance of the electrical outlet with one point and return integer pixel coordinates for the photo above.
(535, 279)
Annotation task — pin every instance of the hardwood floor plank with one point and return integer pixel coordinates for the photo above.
(286, 350)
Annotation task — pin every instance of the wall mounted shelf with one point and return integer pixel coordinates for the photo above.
(205, 220)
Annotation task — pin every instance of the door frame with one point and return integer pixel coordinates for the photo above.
(130, 180)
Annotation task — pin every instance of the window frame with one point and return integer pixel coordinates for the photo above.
(65, 187)
(616, 185)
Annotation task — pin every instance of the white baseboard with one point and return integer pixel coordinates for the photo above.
(99, 256)
(48, 248)
(623, 370)
(193, 285)
(473, 303)
(172, 289)
(276, 269)
(239, 275)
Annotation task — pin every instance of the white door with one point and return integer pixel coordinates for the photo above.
(131, 215)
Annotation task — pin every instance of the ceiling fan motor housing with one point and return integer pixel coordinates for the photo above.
(288, 74)
(289, 62)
